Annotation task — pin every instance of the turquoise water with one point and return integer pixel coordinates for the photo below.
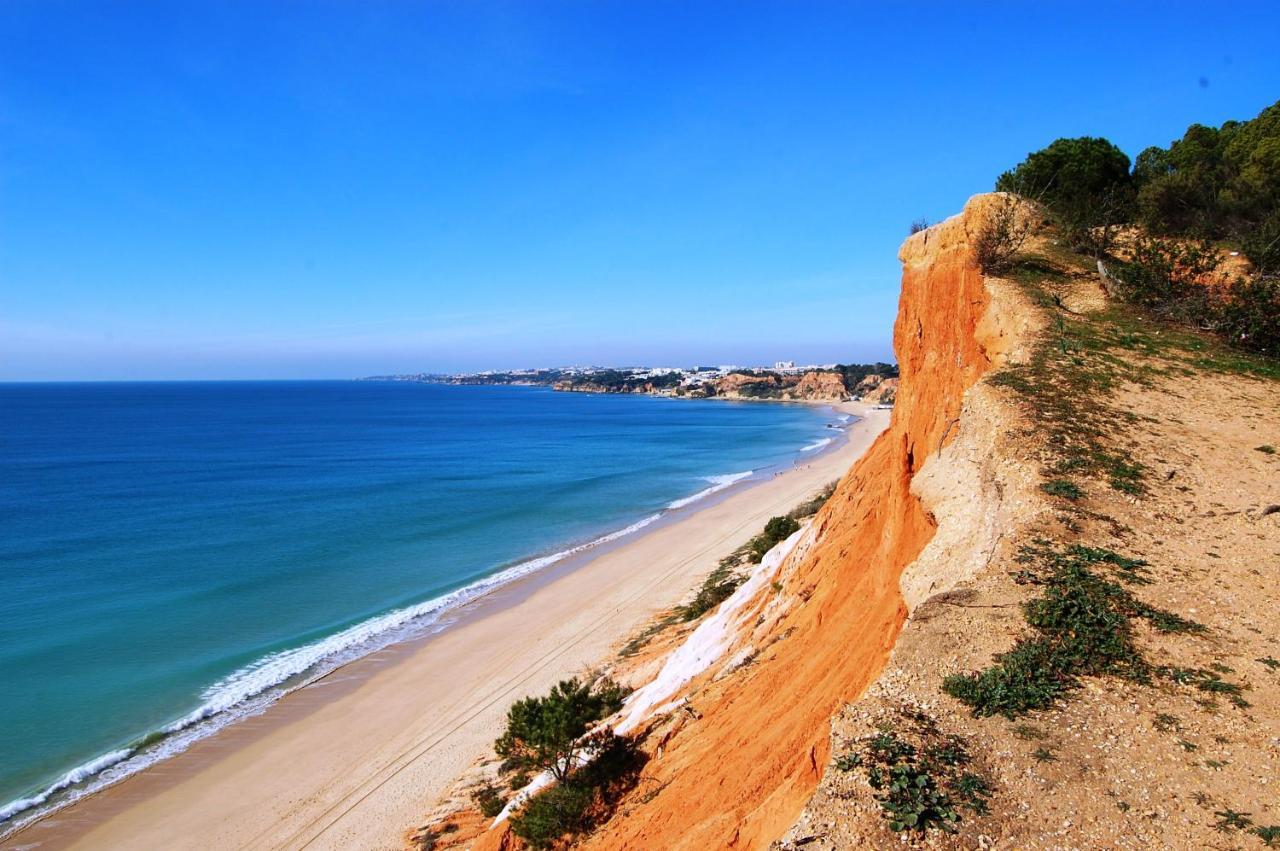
(175, 555)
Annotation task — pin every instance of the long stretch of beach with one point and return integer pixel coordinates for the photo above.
(357, 758)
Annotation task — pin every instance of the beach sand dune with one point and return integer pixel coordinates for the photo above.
(356, 759)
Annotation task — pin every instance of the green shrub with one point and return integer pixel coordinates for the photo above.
(553, 814)
(777, 530)
(1262, 245)
(1270, 835)
(1082, 626)
(1022, 679)
(546, 733)
(1210, 682)
(1084, 181)
(1166, 277)
(488, 799)
(919, 787)
(716, 588)
(584, 799)
(1062, 488)
(1229, 819)
(1249, 315)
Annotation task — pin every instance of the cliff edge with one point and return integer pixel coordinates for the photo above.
(1000, 631)
(737, 769)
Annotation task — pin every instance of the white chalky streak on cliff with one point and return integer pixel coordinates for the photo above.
(699, 651)
(704, 645)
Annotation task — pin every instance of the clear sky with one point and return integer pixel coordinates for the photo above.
(319, 189)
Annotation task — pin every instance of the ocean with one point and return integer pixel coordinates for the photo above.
(177, 555)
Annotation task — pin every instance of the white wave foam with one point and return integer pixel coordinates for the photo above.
(276, 668)
(718, 483)
(72, 777)
(253, 688)
(817, 444)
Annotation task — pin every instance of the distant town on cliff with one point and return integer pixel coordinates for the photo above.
(875, 383)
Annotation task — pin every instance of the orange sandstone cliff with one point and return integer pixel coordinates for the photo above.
(739, 774)
(811, 386)
(915, 570)
(818, 385)
(735, 764)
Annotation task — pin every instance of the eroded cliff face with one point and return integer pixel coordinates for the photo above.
(818, 386)
(883, 393)
(734, 384)
(811, 386)
(735, 767)
(735, 754)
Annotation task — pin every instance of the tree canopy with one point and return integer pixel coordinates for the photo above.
(1085, 180)
(1217, 183)
(546, 733)
(1213, 184)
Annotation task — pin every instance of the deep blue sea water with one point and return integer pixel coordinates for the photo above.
(174, 555)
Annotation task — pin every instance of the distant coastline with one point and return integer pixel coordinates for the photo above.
(874, 383)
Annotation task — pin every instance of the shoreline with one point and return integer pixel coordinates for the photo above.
(316, 660)
(420, 711)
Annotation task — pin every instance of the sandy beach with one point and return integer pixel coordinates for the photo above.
(356, 759)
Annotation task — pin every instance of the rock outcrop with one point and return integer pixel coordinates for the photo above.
(739, 385)
(818, 386)
(884, 392)
(812, 386)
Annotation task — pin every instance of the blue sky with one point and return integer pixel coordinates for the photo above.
(276, 190)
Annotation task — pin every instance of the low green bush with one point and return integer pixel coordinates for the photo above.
(547, 733)
(553, 814)
(1063, 488)
(1248, 316)
(488, 799)
(584, 799)
(919, 775)
(1166, 277)
(1082, 626)
(777, 530)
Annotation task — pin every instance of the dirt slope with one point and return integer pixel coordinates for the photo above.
(1035, 424)
(1183, 755)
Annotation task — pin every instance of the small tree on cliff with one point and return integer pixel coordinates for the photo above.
(1002, 233)
(1084, 181)
(550, 733)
